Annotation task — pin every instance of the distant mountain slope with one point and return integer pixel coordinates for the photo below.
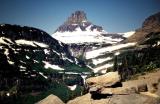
(77, 29)
(82, 35)
(29, 55)
(16, 40)
(138, 42)
(151, 24)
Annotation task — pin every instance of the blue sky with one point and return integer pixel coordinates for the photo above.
(112, 15)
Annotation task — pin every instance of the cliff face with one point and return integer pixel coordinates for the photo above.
(77, 17)
(151, 24)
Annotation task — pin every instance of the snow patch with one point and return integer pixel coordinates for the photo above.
(56, 52)
(117, 53)
(71, 73)
(25, 42)
(22, 62)
(100, 60)
(76, 61)
(72, 88)
(6, 52)
(127, 34)
(41, 44)
(43, 75)
(104, 67)
(84, 79)
(27, 57)
(89, 67)
(1, 47)
(33, 75)
(22, 67)
(55, 67)
(35, 61)
(3, 42)
(101, 51)
(60, 43)
(10, 62)
(65, 58)
(31, 43)
(46, 51)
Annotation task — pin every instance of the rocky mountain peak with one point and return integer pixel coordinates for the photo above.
(78, 17)
(151, 24)
(77, 20)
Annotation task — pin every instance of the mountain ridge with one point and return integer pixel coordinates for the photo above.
(150, 24)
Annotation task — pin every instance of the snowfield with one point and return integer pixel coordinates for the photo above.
(88, 36)
(101, 51)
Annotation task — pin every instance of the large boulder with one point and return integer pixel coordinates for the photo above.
(51, 99)
(85, 99)
(131, 92)
(116, 99)
(106, 80)
(133, 99)
(118, 91)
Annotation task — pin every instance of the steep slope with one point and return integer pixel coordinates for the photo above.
(143, 42)
(151, 24)
(32, 61)
(15, 40)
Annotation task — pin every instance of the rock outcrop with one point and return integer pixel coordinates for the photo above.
(105, 80)
(115, 99)
(51, 99)
(77, 17)
(138, 91)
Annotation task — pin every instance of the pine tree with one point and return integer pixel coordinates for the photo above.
(115, 64)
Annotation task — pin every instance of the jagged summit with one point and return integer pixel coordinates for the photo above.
(151, 24)
(78, 20)
(78, 17)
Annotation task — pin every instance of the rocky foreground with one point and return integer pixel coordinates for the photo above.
(108, 89)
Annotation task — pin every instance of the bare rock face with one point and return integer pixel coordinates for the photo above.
(85, 99)
(51, 99)
(116, 99)
(105, 80)
(151, 24)
(77, 17)
(133, 99)
(152, 21)
(118, 91)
